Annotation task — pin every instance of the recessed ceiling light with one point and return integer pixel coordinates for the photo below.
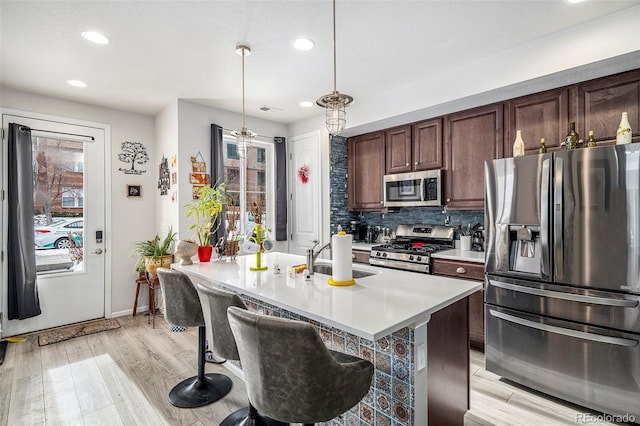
(304, 44)
(306, 104)
(95, 37)
(76, 83)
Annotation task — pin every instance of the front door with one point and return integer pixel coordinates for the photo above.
(69, 222)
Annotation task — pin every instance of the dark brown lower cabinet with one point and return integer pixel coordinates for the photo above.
(448, 365)
(360, 256)
(468, 271)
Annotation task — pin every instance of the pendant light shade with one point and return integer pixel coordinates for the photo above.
(244, 135)
(335, 102)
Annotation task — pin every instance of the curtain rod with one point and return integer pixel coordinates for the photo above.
(58, 133)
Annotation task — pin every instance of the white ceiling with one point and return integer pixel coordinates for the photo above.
(161, 51)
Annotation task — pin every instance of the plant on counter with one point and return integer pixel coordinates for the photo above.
(207, 212)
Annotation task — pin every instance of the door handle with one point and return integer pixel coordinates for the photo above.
(620, 341)
(620, 303)
(97, 251)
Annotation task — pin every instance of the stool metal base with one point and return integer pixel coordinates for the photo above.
(195, 392)
(241, 418)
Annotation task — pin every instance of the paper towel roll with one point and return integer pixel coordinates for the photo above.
(341, 251)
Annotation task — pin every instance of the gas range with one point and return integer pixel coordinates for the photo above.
(411, 251)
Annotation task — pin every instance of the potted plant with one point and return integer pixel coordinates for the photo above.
(207, 212)
(154, 253)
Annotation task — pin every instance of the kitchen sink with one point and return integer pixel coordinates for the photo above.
(327, 269)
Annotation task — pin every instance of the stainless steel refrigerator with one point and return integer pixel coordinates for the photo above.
(562, 300)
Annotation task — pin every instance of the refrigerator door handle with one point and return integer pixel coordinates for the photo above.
(621, 303)
(565, 331)
(545, 270)
(558, 246)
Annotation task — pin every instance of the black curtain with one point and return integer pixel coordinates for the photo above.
(217, 171)
(281, 188)
(22, 291)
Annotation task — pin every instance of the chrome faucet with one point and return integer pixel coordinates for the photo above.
(313, 255)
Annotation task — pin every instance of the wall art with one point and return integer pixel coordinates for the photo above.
(134, 190)
(133, 153)
(199, 178)
(164, 180)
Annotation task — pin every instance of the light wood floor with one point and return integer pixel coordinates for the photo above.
(123, 377)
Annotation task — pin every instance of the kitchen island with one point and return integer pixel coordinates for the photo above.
(413, 327)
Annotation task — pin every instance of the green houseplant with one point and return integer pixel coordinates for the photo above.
(207, 212)
(154, 253)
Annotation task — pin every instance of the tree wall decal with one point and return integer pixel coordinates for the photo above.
(133, 153)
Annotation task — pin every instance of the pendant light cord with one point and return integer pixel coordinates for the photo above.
(334, 47)
(243, 53)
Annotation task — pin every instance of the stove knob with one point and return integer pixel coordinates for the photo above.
(419, 259)
(411, 257)
(384, 254)
(377, 254)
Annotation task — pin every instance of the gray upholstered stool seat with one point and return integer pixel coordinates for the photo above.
(215, 303)
(290, 374)
(182, 307)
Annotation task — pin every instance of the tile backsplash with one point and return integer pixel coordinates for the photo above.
(340, 215)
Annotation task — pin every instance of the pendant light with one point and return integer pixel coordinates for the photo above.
(243, 136)
(335, 102)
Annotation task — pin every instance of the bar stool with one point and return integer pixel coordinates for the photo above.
(182, 307)
(215, 303)
(290, 374)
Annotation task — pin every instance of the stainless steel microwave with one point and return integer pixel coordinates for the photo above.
(416, 189)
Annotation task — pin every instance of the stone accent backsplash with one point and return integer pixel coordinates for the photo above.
(341, 216)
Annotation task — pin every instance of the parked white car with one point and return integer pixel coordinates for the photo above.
(56, 235)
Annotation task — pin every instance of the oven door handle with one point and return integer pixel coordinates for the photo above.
(621, 303)
(630, 343)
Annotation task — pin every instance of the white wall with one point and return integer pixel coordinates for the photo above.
(132, 219)
(602, 47)
(167, 206)
(194, 134)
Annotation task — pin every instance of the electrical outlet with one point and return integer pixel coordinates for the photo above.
(422, 356)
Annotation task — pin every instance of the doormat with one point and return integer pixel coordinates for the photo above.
(76, 330)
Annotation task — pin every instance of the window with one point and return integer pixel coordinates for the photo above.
(259, 183)
(232, 151)
(261, 155)
(72, 197)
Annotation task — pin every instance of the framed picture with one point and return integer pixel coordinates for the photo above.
(134, 190)
(195, 191)
(199, 178)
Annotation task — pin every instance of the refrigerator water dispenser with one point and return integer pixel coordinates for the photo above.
(525, 249)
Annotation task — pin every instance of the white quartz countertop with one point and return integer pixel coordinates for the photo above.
(374, 307)
(457, 254)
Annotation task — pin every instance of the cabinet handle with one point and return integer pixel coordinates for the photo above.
(381, 202)
(353, 256)
(448, 200)
(416, 163)
(407, 164)
(461, 270)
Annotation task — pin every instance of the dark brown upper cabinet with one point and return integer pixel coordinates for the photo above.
(471, 137)
(543, 115)
(601, 103)
(427, 145)
(398, 145)
(365, 169)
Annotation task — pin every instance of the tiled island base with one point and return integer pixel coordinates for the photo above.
(391, 396)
